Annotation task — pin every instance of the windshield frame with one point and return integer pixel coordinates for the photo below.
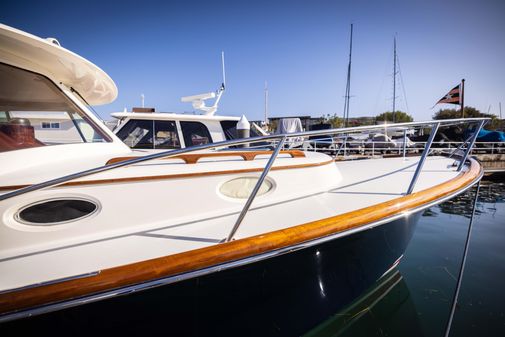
(75, 110)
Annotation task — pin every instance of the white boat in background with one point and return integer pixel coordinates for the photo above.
(91, 233)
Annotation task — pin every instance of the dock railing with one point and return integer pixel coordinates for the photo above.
(279, 140)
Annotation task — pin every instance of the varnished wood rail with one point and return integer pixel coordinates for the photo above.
(193, 158)
(175, 175)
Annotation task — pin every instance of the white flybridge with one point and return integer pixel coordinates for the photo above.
(92, 233)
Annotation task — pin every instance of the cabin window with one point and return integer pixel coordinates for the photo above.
(35, 112)
(195, 133)
(149, 134)
(56, 211)
(230, 132)
(166, 135)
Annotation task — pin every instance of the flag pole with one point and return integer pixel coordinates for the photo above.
(463, 98)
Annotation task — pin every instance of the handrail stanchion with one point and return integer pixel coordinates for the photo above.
(460, 146)
(470, 146)
(404, 142)
(345, 146)
(423, 157)
(256, 189)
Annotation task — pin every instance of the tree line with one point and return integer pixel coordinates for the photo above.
(403, 117)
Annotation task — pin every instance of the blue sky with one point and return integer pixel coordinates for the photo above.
(169, 49)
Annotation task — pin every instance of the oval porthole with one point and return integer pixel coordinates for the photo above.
(56, 211)
(241, 188)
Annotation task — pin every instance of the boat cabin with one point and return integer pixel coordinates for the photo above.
(140, 130)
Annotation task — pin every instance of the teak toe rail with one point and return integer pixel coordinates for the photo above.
(177, 264)
(193, 158)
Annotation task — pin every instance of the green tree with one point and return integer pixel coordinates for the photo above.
(470, 112)
(400, 117)
(334, 120)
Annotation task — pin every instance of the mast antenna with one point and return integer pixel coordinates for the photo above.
(223, 84)
(394, 80)
(198, 101)
(222, 67)
(348, 85)
(266, 102)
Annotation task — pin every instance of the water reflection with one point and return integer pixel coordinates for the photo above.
(384, 309)
(492, 191)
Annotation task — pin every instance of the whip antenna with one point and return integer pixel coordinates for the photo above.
(224, 73)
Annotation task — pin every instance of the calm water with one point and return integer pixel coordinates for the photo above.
(416, 300)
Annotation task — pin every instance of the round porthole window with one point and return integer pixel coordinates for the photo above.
(241, 188)
(56, 211)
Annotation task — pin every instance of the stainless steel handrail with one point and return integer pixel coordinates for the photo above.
(171, 153)
(404, 143)
(256, 189)
(470, 145)
(460, 146)
(423, 158)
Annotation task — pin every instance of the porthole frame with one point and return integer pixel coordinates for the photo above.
(18, 219)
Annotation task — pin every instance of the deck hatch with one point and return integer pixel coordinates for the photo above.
(241, 188)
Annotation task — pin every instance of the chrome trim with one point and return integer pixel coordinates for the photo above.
(228, 265)
(64, 279)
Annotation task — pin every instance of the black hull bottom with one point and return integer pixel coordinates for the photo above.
(286, 295)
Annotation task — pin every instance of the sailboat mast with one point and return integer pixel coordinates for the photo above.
(348, 85)
(394, 80)
(266, 103)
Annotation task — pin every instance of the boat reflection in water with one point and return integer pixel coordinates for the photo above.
(385, 309)
(491, 192)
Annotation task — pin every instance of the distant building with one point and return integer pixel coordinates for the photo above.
(53, 127)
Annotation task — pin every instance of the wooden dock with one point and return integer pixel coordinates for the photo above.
(492, 162)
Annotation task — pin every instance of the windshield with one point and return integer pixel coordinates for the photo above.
(34, 112)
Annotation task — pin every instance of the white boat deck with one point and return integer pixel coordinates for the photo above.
(364, 183)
